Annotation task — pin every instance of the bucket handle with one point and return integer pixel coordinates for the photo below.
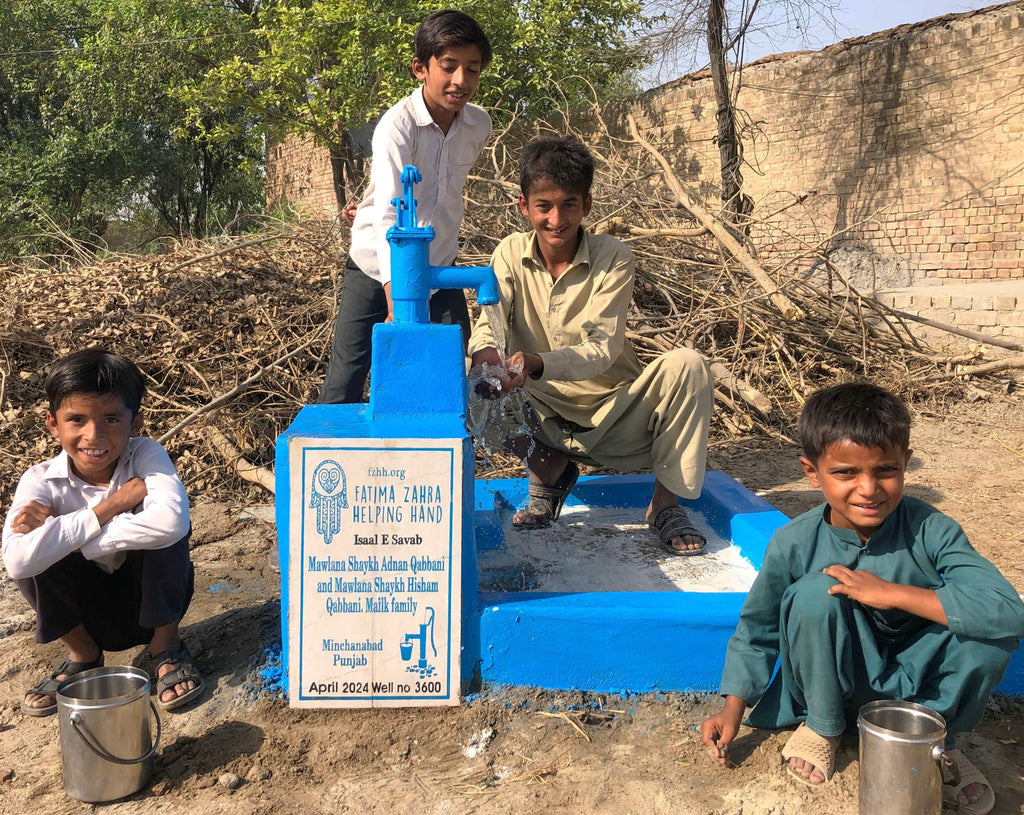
(78, 722)
(950, 771)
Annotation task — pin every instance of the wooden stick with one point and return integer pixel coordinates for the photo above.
(226, 250)
(618, 226)
(241, 465)
(228, 395)
(758, 401)
(975, 370)
(789, 310)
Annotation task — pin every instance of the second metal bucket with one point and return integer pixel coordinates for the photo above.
(105, 744)
(900, 754)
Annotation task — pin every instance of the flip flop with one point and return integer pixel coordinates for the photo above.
(545, 504)
(967, 774)
(673, 522)
(48, 686)
(814, 749)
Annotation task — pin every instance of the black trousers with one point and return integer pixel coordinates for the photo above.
(153, 587)
(363, 305)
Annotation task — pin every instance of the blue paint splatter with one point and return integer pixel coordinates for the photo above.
(267, 676)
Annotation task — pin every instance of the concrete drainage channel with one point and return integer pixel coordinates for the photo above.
(594, 603)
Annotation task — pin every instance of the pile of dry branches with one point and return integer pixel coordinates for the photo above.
(233, 334)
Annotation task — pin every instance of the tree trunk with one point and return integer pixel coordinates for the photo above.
(347, 168)
(735, 205)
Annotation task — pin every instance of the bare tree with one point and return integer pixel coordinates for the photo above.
(683, 22)
(677, 41)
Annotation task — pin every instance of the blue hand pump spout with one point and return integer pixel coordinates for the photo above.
(412, 276)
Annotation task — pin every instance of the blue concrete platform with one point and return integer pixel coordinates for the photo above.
(623, 641)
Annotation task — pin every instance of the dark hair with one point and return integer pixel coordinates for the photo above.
(562, 160)
(450, 29)
(856, 411)
(95, 371)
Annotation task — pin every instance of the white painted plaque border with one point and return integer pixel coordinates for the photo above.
(326, 522)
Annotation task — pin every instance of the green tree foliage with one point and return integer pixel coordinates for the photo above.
(323, 67)
(89, 133)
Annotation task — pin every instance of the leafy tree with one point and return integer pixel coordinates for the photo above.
(90, 133)
(323, 67)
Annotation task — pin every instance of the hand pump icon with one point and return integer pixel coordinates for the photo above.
(421, 667)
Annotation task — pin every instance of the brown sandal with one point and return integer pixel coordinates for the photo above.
(814, 749)
(546, 502)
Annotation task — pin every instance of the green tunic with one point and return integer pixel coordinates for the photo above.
(836, 654)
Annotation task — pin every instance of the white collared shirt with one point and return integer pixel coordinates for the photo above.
(406, 134)
(162, 520)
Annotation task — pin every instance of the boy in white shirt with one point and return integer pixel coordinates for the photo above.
(441, 134)
(97, 538)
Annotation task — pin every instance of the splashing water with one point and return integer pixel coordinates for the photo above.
(492, 421)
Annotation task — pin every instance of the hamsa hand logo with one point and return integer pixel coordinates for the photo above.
(328, 498)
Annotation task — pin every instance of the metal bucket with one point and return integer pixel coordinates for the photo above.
(900, 754)
(105, 746)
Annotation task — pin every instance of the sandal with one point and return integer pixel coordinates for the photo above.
(546, 502)
(672, 523)
(814, 749)
(48, 686)
(964, 774)
(185, 672)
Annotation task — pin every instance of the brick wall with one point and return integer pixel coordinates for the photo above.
(911, 140)
(299, 174)
(992, 311)
(910, 143)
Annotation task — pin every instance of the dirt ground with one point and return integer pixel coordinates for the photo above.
(506, 750)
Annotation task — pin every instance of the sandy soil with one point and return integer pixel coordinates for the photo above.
(507, 750)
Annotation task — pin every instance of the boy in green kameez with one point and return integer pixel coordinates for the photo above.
(872, 595)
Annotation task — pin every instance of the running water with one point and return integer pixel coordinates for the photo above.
(496, 320)
(492, 421)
